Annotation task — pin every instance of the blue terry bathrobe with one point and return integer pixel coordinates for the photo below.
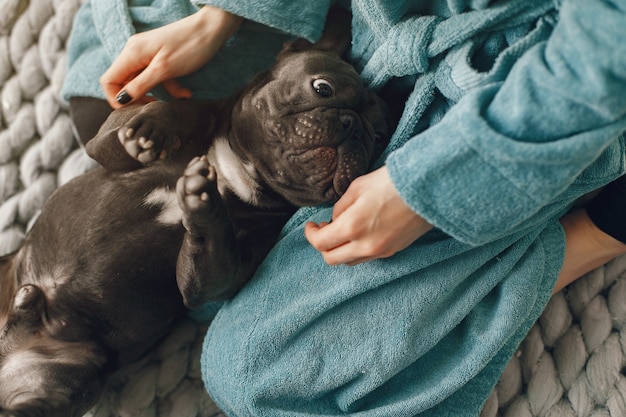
(515, 109)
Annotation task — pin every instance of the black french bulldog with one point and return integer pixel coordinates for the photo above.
(158, 230)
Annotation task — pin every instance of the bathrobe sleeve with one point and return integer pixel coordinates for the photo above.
(302, 18)
(505, 151)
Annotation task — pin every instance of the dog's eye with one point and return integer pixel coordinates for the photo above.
(323, 88)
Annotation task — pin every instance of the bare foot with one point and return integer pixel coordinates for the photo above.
(586, 247)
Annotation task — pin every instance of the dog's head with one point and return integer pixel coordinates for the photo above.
(309, 126)
(41, 374)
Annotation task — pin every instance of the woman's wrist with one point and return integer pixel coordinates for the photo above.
(218, 24)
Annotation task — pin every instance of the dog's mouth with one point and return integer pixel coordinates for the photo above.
(326, 171)
(318, 153)
(351, 162)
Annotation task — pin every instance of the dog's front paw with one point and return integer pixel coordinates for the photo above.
(198, 196)
(150, 135)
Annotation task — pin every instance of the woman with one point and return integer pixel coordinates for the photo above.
(515, 109)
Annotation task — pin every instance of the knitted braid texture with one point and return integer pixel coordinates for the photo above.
(570, 364)
(38, 153)
(36, 138)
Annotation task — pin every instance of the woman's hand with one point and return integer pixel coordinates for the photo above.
(369, 221)
(160, 55)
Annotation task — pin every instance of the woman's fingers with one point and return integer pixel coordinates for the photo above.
(160, 55)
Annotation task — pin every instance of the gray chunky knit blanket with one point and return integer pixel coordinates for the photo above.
(570, 364)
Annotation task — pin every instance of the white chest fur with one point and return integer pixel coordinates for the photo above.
(232, 174)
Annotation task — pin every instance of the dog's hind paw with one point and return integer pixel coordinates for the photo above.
(198, 196)
(139, 148)
(149, 135)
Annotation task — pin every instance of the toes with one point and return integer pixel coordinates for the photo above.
(195, 184)
(198, 166)
(196, 202)
(145, 143)
(199, 176)
(137, 145)
(196, 187)
(146, 156)
(124, 134)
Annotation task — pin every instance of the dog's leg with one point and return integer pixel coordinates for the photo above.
(139, 134)
(107, 149)
(135, 135)
(210, 265)
(152, 133)
(88, 114)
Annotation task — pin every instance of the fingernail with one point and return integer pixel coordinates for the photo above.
(123, 97)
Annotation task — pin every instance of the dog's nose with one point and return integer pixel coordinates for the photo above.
(351, 126)
(347, 121)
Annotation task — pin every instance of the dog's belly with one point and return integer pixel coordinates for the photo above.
(106, 248)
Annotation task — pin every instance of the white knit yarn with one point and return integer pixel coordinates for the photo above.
(165, 384)
(570, 364)
(35, 135)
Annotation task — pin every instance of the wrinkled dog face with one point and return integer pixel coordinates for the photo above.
(42, 375)
(316, 128)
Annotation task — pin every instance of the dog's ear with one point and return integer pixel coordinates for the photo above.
(337, 34)
(5, 265)
(7, 287)
(335, 38)
(61, 379)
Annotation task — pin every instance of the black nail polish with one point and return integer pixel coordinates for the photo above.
(123, 97)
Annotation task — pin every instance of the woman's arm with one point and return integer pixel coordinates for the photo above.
(160, 55)
(502, 153)
(506, 151)
(301, 18)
